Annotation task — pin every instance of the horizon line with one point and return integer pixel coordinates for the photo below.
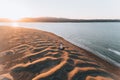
(64, 18)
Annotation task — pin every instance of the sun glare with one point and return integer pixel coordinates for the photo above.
(14, 18)
(13, 11)
(14, 24)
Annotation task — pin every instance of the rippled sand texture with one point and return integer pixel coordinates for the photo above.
(28, 54)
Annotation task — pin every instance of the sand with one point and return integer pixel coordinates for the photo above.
(29, 54)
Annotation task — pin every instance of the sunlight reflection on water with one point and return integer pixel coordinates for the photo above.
(14, 24)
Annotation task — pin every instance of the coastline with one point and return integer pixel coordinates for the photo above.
(112, 62)
(102, 61)
(113, 70)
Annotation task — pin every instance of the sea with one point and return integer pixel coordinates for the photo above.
(100, 38)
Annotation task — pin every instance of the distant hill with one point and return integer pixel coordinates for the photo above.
(54, 19)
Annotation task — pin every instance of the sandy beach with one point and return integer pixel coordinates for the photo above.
(30, 54)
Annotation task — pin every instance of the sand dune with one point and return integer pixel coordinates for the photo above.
(28, 54)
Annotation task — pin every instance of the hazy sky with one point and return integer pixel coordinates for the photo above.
(60, 8)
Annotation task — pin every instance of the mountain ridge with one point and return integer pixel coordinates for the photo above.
(56, 19)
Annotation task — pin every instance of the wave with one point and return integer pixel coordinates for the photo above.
(114, 51)
(108, 59)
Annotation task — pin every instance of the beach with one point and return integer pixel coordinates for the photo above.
(30, 54)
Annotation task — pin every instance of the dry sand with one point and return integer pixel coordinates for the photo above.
(29, 54)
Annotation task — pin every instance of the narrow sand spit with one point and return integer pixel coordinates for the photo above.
(29, 54)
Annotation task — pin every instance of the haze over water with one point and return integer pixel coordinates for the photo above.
(103, 39)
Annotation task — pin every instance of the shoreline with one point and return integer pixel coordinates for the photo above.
(93, 54)
(21, 33)
(112, 62)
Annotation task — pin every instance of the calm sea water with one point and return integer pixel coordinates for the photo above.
(102, 39)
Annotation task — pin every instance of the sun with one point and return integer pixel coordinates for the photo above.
(14, 24)
(14, 18)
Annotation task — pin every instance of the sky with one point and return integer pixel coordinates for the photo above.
(75, 9)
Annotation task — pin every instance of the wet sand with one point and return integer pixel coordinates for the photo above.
(29, 54)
